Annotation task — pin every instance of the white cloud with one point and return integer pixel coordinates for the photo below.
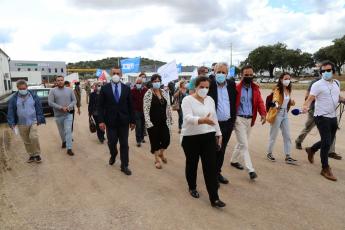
(191, 32)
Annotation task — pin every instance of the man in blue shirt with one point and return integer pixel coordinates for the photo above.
(24, 113)
(223, 93)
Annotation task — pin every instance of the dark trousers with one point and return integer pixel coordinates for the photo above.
(115, 134)
(180, 118)
(73, 113)
(139, 126)
(100, 133)
(226, 128)
(327, 128)
(204, 146)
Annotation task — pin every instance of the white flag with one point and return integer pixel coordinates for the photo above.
(194, 73)
(168, 72)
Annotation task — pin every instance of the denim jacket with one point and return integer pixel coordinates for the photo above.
(12, 118)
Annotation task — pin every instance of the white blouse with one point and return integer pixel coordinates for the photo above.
(286, 101)
(193, 110)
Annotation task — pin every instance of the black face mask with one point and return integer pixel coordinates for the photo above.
(247, 80)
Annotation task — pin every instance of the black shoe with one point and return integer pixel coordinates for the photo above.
(218, 204)
(290, 160)
(298, 145)
(270, 157)
(30, 160)
(143, 141)
(101, 140)
(222, 179)
(63, 145)
(194, 193)
(38, 159)
(237, 165)
(126, 171)
(112, 160)
(70, 152)
(253, 175)
(138, 144)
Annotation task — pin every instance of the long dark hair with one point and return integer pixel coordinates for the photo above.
(280, 85)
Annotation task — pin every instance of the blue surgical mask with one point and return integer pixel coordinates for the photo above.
(220, 78)
(138, 86)
(327, 76)
(23, 92)
(156, 85)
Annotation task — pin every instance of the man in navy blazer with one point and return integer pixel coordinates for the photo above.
(223, 92)
(116, 116)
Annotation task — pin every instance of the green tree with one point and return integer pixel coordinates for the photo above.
(297, 60)
(334, 53)
(267, 58)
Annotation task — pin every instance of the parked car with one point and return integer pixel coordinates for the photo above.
(265, 80)
(41, 93)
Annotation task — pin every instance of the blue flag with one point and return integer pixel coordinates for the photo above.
(130, 65)
(232, 71)
(179, 68)
(98, 72)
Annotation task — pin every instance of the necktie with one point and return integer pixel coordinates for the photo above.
(116, 94)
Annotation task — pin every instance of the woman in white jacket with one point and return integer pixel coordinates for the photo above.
(200, 137)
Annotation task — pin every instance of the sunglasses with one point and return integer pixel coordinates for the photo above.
(248, 75)
(326, 70)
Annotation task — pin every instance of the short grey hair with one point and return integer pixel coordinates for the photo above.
(21, 82)
(221, 64)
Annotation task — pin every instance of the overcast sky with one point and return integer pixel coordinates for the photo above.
(190, 32)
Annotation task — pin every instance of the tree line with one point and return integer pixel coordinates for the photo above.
(267, 58)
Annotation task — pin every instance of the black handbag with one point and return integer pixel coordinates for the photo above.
(92, 125)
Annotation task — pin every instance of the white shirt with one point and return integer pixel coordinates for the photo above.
(286, 101)
(326, 97)
(193, 110)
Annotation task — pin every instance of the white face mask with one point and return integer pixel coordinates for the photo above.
(202, 92)
(286, 82)
(116, 78)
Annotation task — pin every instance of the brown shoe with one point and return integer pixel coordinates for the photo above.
(334, 156)
(327, 173)
(310, 153)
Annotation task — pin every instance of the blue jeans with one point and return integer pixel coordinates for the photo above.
(282, 123)
(64, 124)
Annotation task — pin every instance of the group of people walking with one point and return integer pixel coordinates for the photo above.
(208, 114)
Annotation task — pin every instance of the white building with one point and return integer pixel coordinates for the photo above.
(49, 69)
(5, 77)
(31, 77)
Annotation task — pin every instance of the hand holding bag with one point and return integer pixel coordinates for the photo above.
(92, 125)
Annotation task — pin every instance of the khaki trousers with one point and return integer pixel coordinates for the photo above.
(30, 138)
(242, 131)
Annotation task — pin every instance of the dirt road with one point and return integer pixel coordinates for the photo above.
(84, 192)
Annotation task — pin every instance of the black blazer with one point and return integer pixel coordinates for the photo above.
(231, 86)
(115, 114)
(93, 103)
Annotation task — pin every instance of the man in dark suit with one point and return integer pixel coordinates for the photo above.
(223, 93)
(116, 115)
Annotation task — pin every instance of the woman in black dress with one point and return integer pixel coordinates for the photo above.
(158, 119)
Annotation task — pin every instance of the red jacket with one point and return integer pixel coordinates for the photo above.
(137, 98)
(258, 103)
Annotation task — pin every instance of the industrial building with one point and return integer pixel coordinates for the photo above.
(49, 69)
(5, 76)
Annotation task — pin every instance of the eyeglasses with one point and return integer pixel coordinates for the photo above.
(326, 70)
(248, 75)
